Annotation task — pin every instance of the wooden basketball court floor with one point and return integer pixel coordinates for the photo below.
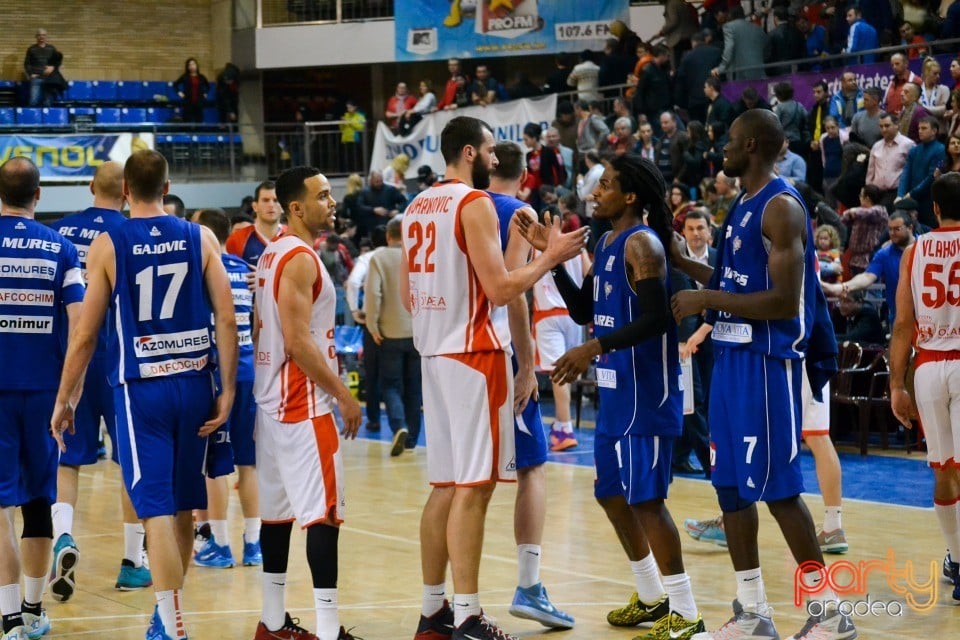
(583, 567)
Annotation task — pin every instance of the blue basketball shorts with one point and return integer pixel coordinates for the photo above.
(636, 467)
(529, 436)
(29, 468)
(95, 404)
(232, 444)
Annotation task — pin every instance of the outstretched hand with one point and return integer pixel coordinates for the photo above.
(563, 246)
(531, 229)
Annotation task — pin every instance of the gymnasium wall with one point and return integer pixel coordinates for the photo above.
(127, 40)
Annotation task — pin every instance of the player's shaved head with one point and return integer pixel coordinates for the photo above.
(108, 181)
(19, 181)
(763, 126)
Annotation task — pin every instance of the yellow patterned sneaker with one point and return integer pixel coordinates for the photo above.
(673, 626)
(637, 612)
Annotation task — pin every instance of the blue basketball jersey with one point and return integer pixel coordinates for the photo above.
(160, 312)
(237, 270)
(640, 391)
(506, 206)
(82, 229)
(744, 263)
(39, 275)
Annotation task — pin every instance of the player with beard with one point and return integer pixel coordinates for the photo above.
(454, 282)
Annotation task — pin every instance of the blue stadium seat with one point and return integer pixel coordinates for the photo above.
(129, 91)
(56, 116)
(7, 116)
(29, 115)
(79, 91)
(212, 93)
(7, 85)
(159, 115)
(104, 91)
(211, 116)
(83, 114)
(133, 115)
(108, 115)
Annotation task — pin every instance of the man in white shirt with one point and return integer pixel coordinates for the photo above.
(887, 158)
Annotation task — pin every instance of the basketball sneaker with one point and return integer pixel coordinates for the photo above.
(132, 578)
(346, 635)
(156, 631)
(533, 603)
(214, 555)
(201, 535)
(832, 541)
(17, 633)
(560, 440)
(439, 626)
(480, 628)
(951, 569)
(833, 625)
(36, 625)
(745, 625)
(707, 530)
(399, 442)
(291, 630)
(673, 626)
(251, 553)
(63, 579)
(637, 612)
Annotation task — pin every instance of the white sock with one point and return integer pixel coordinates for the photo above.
(62, 515)
(251, 530)
(647, 576)
(328, 622)
(566, 427)
(10, 599)
(528, 562)
(221, 534)
(273, 613)
(133, 535)
(464, 606)
(750, 591)
(33, 589)
(811, 581)
(433, 598)
(168, 606)
(680, 592)
(949, 517)
(831, 519)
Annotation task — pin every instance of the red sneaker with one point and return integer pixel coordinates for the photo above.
(291, 630)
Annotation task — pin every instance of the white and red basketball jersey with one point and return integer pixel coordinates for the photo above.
(280, 386)
(451, 312)
(935, 283)
(546, 296)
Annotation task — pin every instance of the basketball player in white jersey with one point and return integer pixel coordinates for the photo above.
(928, 316)
(454, 282)
(296, 385)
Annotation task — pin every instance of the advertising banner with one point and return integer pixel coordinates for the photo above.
(440, 29)
(67, 158)
(422, 146)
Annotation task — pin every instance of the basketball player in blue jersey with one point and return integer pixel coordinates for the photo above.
(761, 300)
(95, 404)
(159, 276)
(233, 445)
(626, 296)
(41, 288)
(530, 600)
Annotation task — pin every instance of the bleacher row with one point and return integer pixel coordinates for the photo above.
(66, 116)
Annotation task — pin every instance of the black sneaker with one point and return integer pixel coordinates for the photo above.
(479, 628)
(439, 626)
(346, 635)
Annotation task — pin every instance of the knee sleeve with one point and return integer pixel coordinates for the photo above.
(275, 546)
(322, 541)
(730, 500)
(37, 521)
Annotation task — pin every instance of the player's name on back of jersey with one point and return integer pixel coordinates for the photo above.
(440, 204)
(32, 244)
(169, 246)
(946, 248)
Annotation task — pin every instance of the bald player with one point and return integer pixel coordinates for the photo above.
(95, 405)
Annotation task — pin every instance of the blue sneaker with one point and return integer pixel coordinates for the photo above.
(132, 578)
(533, 603)
(251, 553)
(36, 626)
(214, 555)
(707, 530)
(63, 581)
(951, 569)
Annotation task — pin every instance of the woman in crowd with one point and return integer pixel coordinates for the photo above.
(192, 87)
(426, 104)
(933, 95)
(680, 205)
(792, 116)
(646, 145)
(717, 138)
(347, 208)
(694, 168)
(394, 174)
(952, 160)
(867, 224)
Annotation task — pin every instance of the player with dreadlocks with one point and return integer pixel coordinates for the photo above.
(627, 297)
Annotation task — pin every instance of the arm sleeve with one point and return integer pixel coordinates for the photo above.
(652, 322)
(579, 301)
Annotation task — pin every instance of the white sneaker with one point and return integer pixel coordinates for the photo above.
(744, 625)
(36, 626)
(17, 633)
(831, 626)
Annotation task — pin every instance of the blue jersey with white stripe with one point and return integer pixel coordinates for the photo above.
(745, 268)
(82, 229)
(640, 391)
(237, 270)
(39, 275)
(160, 312)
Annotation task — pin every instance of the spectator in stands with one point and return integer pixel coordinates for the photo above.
(653, 95)
(861, 37)
(916, 13)
(591, 129)
(865, 224)
(717, 136)
(530, 187)
(614, 67)
(951, 118)
(743, 47)
(853, 174)
(888, 156)
(173, 206)
(793, 118)
(521, 87)
(693, 165)
(378, 203)
(240, 221)
(353, 122)
(912, 112)
(791, 166)
(719, 108)
(680, 22)
(749, 99)
(627, 39)
(917, 174)
(836, 24)
(553, 166)
(347, 207)
(848, 101)
(818, 112)
(643, 57)
(858, 321)
(815, 39)
(933, 96)
(397, 105)
(692, 72)
(455, 93)
(680, 204)
(951, 162)
(585, 77)
(586, 185)
(902, 74)
(955, 72)
(785, 41)
(865, 127)
(483, 90)
(668, 154)
(42, 66)
(727, 190)
(831, 155)
(567, 205)
(557, 80)
(425, 177)
(646, 144)
(566, 124)
(395, 173)
(951, 22)
(192, 87)
(620, 109)
(246, 206)
(228, 93)
(426, 104)
(828, 253)
(916, 45)
(820, 212)
(551, 141)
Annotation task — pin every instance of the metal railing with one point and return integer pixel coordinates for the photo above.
(278, 12)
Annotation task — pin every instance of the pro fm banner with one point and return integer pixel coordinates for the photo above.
(422, 146)
(67, 158)
(440, 29)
